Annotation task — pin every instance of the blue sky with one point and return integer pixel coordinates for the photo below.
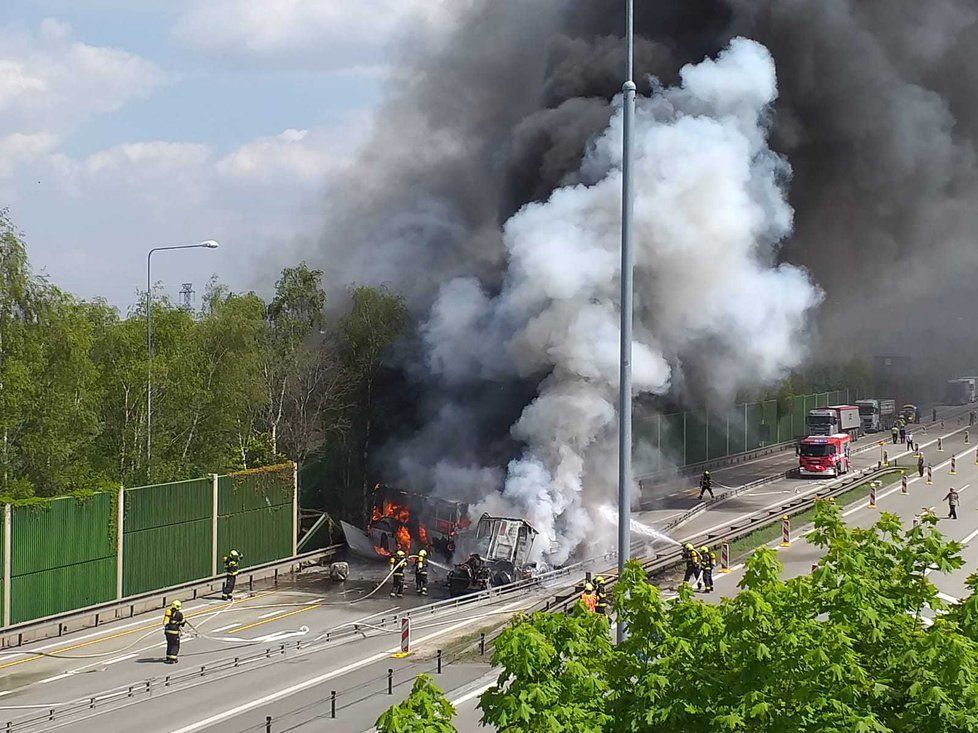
(125, 125)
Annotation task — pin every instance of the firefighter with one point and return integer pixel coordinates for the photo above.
(920, 464)
(397, 574)
(692, 559)
(589, 598)
(708, 560)
(231, 563)
(903, 432)
(421, 572)
(173, 622)
(706, 484)
(895, 434)
(601, 594)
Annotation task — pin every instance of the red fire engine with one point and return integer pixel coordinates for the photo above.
(824, 455)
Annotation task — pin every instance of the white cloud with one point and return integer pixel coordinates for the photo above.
(89, 220)
(321, 34)
(301, 155)
(51, 82)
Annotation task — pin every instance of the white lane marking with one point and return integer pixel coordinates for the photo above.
(120, 659)
(231, 712)
(313, 600)
(270, 614)
(469, 695)
(225, 628)
(55, 678)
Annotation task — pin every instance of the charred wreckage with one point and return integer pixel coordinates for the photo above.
(492, 552)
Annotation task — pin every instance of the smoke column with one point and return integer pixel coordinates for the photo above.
(709, 214)
(501, 123)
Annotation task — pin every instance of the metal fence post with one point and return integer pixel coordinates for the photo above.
(707, 434)
(295, 508)
(214, 508)
(745, 429)
(120, 510)
(684, 437)
(7, 523)
(658, 441)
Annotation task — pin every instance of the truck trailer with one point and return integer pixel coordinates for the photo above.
(959, 391)
(833, 420)
(876, 414)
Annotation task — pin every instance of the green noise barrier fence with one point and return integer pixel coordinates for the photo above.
(72, 552)
(687, 438)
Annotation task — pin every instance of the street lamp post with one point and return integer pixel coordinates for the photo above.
(206, 244)
(627, 265)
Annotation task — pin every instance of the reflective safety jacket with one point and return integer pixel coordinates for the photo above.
(709, 560)
(231, 564)
(601, 604)
(398, 564)
(692, 558)
(173, 621)
(589, 600)
(421, 566)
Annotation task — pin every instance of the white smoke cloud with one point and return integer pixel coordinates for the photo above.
(710, 211)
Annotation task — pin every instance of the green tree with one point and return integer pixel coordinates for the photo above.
(844, 648)
(424, 711)
(548, 682)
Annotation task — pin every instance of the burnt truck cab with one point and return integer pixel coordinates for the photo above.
(497, 551)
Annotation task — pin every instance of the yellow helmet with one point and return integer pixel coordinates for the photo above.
(704, 548)
(422, 553)
(688, 546)
(400, 553)
(234, 553)
(177, 605)
(588, 587)
(599, 580)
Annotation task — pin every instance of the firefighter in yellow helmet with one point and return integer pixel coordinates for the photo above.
(232, 561)
(173, 623)
(421, 572)
(601, 596)
(588, 597)
(397, 574)
(708, 561)
(692, 558)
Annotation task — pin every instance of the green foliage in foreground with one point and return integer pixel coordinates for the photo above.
(424, 711)
(844, 649)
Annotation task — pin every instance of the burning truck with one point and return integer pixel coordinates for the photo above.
(496, 551)
(402, 520)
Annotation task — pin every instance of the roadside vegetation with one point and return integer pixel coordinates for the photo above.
(239, 383)
(848, 647)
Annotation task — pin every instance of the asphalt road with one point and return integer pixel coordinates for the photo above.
(295, 688)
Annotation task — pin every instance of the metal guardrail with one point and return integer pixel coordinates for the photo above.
(123, 608)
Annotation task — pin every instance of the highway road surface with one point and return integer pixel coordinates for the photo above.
(113, 676)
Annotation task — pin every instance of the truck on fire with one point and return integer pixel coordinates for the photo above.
(876, 414)
(833, 420)
(498, 551)
(825, 455)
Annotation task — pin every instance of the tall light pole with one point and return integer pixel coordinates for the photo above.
(627, 265)
(206, 244)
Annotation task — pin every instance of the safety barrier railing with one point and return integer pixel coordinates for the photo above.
(102, 613)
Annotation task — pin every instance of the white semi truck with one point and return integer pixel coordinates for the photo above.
(833, 420)
(876, 415)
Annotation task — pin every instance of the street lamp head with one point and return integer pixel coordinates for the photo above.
(209, 244)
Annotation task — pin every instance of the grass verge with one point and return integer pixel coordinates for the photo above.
(747, 544)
